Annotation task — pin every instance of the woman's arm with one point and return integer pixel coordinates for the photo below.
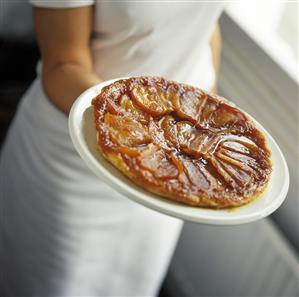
(64, 41)
(215, 44)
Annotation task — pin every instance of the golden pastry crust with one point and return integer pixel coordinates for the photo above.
(181, 142)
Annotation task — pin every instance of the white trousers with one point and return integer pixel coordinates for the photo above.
(64, 232)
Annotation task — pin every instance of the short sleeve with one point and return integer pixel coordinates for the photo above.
(61, 3)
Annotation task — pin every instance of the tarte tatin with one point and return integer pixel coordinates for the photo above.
(181, 142)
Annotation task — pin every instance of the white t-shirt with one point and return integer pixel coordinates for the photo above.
(166, 38)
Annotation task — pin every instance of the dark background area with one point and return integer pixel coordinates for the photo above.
(18, 61)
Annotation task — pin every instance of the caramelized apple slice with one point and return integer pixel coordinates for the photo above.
(185, 133)
(158, 135)
(126, 131)
(236, 177)
(226, 116)
(207, 110)
(189, 105)
(240, 176)
(221, 116)
(156, 161)
(169, 128)
(195, 174)
(190, 140)
(126, 107)
(154, 101)
(236, 147)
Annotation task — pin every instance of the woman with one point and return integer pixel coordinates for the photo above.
(63, 231)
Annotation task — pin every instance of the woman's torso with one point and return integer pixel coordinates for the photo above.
(164, 38)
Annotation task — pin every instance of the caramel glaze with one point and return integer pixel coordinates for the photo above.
(181, 142)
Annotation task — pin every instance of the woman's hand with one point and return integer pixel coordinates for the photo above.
(64, 41)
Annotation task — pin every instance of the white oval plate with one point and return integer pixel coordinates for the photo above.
(83, 134)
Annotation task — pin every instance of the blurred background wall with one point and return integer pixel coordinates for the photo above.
(18, 57)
